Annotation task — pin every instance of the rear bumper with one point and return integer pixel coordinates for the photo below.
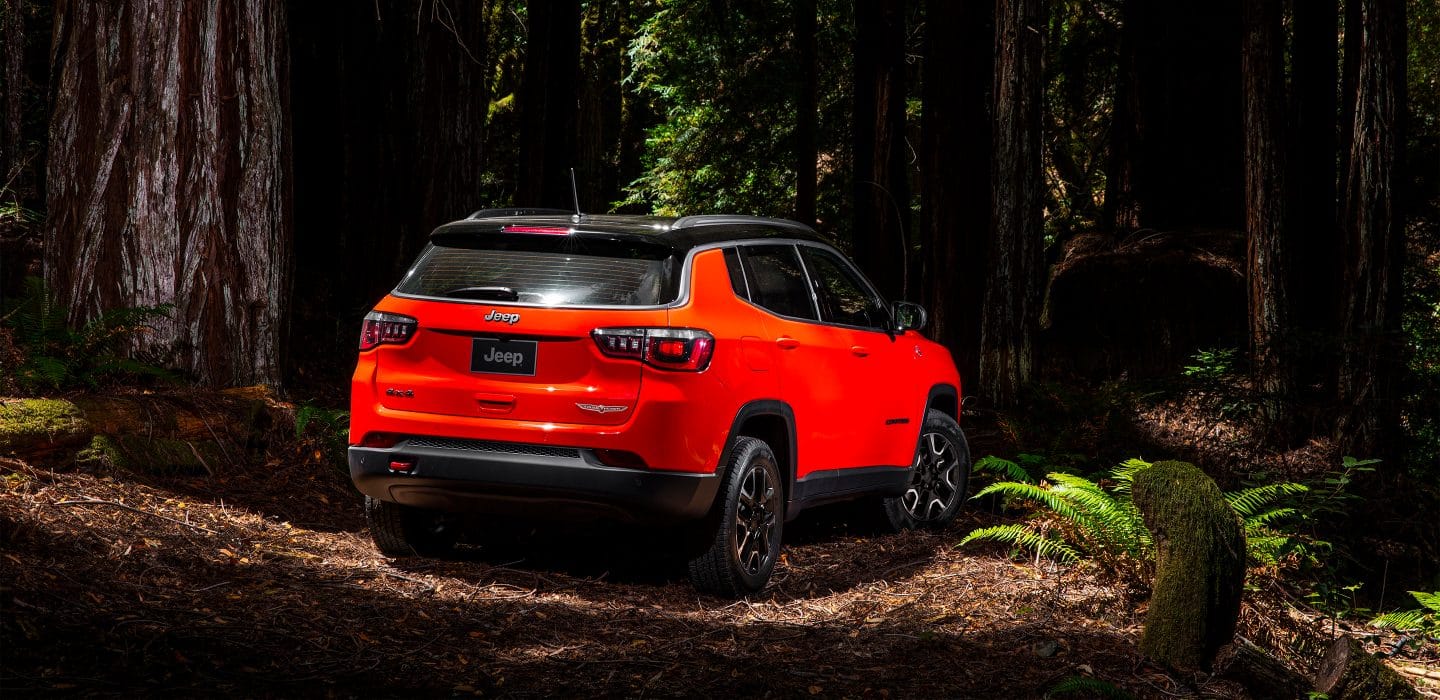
(527, 480)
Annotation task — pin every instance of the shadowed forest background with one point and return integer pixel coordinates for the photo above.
(1207, 229)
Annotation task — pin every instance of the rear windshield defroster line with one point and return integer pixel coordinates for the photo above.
(570, 270)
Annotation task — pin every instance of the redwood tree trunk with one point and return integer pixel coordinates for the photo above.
(1262, 68)
(548, 104)
(1012, 292)
(806, 112)
(169, 176)
(1374, 244)
(882, 191)
(955, 157)
(1314, 239)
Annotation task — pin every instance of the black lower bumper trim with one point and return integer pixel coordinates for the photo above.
(560, 487)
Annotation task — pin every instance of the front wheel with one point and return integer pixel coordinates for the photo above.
(746, 543)
(939, 477)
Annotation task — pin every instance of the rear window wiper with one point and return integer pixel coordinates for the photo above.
(493, 293)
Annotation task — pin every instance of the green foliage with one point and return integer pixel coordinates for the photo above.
(1010, 470)
(323, 431)
(1212, 365)
(1087, 686)
(724, 78)
(1424, 620)
(1080, 72)
(1103, 522)
(55, 355)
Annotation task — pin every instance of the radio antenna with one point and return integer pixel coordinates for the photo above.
(575, 194)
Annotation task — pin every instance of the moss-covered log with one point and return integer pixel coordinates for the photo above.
(36, 427)
(1200, 565)
(1348, 672)
(1262, 674)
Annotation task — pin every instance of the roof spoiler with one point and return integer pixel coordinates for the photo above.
(519, 211)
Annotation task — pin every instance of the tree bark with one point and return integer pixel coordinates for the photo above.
(1262, 674)
(955, 157)
(1012, 291)
(1372, 359)
(806, 112)
(597, 132)
(1267, 255)
(12, 33)
(1199, 564)
(170, 177)
(548, 104)
(881, 189)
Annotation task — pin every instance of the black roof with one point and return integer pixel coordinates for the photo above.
(680, 234)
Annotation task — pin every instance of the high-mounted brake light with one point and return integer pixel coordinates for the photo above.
(548, 230)
(683, 349)
(381, 329)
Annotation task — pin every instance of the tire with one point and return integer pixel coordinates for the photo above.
(939, 477)
(404, 531)
(746, 543)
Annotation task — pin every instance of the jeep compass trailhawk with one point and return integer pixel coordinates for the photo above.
(718, 372)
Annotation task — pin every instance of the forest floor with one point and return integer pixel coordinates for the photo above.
(262, 581)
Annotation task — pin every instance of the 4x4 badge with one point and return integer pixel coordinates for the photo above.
(600, 408)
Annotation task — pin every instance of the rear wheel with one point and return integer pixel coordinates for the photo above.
(742, 554)
(939, 477)
(403, 531)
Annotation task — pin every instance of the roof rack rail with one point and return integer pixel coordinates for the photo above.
(520, 211)
(729, 219)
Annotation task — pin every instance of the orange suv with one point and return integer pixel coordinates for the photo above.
(720, 372)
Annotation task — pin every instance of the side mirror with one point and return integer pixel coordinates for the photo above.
(908, 316)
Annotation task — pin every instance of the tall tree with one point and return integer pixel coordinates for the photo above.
(391, 104)
(169, 176)
(1267, 255)
(548, 104)
(1176, 163)
(955, 160)
(1012, 291)
(1314, 240)
(806, 112)
(1370, 215)
(881, 187)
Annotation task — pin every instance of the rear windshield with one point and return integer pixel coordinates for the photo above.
(550, 270)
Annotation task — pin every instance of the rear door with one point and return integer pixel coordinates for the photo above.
(504, 322)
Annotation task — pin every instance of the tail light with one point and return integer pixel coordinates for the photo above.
(382, 440)
(382, 329)
(684, 349)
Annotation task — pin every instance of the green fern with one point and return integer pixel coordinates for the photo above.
(1104, 522)
(1424, 620)
(56, 355)
(1004, 468)
(1024, 538)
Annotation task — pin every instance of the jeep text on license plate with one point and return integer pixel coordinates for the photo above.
(495, 356)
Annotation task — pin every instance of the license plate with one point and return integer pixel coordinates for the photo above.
(496, 356)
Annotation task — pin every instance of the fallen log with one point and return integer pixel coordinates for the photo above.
(1348, 672)
(1262, 674)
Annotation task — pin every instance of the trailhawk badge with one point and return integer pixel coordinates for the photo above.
(600, 408)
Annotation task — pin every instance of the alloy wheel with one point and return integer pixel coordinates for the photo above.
(755, 520)
(933, 482)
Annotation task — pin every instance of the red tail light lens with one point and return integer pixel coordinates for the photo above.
(382, 329)
(381, 439)
(683, 349)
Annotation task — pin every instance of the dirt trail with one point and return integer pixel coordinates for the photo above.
(265, 584)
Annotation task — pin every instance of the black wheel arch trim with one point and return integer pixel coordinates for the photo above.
(946, 396)
(759, 408)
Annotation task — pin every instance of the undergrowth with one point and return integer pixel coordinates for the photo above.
(42, 351)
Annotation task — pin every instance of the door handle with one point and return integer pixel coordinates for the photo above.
(496, 403)
(787, 343)
(860, 350)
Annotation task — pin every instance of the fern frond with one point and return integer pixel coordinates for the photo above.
(1039, 494)
(1004, 468)
(1429, 600)
(1257, 523)
(1024, 538)
(1401, 621)
(1250, 501)
(1107, 521)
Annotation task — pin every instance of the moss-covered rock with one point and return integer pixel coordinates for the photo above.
(158, 455)
(1200, 565)
(101, 452)
(39, 426)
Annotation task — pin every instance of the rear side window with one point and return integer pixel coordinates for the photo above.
(737, 274)
(844, 296)
(777, 282)
(547, 270)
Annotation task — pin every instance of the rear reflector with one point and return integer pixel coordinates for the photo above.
(621, 458)
(402, 465)
(380, 440)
